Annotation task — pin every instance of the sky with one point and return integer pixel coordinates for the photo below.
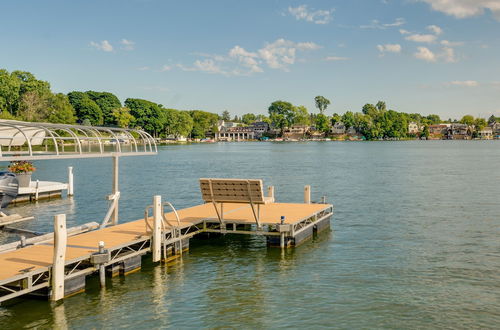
(419, 56)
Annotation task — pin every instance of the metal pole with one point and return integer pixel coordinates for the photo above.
(114, 216)
(102, 269)
(270, 191)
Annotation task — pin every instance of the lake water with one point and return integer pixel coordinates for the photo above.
(415, 240)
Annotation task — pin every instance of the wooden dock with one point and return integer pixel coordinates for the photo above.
(34, 269)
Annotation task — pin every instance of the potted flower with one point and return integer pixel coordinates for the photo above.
(22, 169)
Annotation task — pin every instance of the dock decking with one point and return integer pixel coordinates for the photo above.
(28, 269)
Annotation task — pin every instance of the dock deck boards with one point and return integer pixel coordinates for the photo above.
(38, 258)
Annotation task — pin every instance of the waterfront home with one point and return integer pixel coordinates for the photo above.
(338, 128)
(221, 124)
(459, 131)
(495, 127)
(486, 133)
(413, 128)
(235, 134)
(296, 131)
(438, 131)
(260, 128)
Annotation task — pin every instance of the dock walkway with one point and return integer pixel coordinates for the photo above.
(28, 269)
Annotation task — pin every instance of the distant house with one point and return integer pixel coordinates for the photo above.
(260, 128)
(235, 134)
(486, 133)
(495, 127)
(296, 131)
(338, 128)
(413, 128)
(221, 124)
(438, 131)
(351, 131)
(458, 131)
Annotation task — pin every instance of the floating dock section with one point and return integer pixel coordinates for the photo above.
(58, 268)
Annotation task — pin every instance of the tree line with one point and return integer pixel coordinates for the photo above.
(24, 97)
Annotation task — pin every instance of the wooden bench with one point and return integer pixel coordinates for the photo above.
(249, 191)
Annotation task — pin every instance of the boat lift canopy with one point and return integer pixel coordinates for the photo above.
(41, 141)
(36, 141)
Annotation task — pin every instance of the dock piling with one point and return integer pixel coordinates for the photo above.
(270, 191)
(60, 239)
(70, 181)
(307, 194)
(102, 270)
(157, 233)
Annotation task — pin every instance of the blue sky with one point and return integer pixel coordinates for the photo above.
(426, 56)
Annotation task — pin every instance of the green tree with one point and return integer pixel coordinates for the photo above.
(179, 123)
(281, 114)
(225, 115)
(468, 120)
(147, 115)
(301, 115)
(9, 92)
(203, 123)
(321, 103)
(60, 110)
(426, 132)
(348, 119)
(122, 117)
(85, 108)
(107, 102)
(248, 118)
(322, 123)
(335, 118)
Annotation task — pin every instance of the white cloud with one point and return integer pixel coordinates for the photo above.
(398, 22)
(104, 45)
(425, 38)
(425, 54)
(376, 24)
(336, 58)
(143, 68)
(451, 43)
(463, 83)
(465, 8)
(403, 31)
(314, 16)
(166, 68)
(279, 54)
(435, 29)
(389, 48)
(448, 55)
(127, 44)
(247, 59)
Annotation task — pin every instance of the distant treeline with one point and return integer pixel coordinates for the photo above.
(23, 97)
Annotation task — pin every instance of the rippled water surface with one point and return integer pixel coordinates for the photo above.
(415, 240)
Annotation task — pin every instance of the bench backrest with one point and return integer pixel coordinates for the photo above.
(232, 190)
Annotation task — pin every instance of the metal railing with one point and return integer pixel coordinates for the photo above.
(35, 141)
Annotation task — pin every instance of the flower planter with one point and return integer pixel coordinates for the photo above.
(24, 179)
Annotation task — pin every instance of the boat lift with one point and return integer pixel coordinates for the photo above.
(42, 141)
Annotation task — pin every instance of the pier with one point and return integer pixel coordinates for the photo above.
(57, 268)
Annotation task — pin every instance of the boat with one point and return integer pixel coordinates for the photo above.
(9, 187)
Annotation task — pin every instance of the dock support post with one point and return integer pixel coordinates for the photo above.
(114, 216)
(60, 239)
(282, 240)
(307, 194)
(157, 234)
(70, 181)
(270, 191)
(37, 186)
(102, 269)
